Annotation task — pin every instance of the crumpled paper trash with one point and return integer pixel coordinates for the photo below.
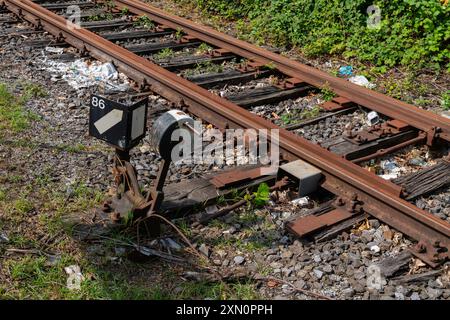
(301, 202)
(54, 50)
(82, 73)
(75, 277)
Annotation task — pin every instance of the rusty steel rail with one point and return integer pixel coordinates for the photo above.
(434, 125)
(374, 195)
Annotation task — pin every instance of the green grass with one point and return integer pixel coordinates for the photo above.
(295, 116)
(179, 34)
(23, 205)
(218, 291)
(14, 118)
(3, 194)
(145, 22)
(203, 48)
(164, 54)
(34, 278)
(15, 178)
(76, 148)
(124, 11)
(101, 17)
(327, 93)
(33, 90)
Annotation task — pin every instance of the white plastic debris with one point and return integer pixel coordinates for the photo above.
(391, 169)
(375, 249)
(361, 81)
(82, 73)
(389, 165)
(301, 202)
(75, 277)
(373, 118)
(3, 238)
(54, 50)
(109, 71)
(211, 209)
(446, 114)
(171, 244)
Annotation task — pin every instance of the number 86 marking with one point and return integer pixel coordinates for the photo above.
(96, 102)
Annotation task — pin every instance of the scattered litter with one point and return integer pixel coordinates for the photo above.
(346, 71)
(120, 251)
(3, 238)
(53, 260)
(416, 266)
(83, 73)
(171, 244)
(373, 118)
(145, 149)
(211, 209)
(272, 284)
(204, 250)
(192, 275)
(418, 162)
(239, 260)
(446, 114)
(54, 50)
(232, 230)
(75, 277)
(391, 169)
(375, 249)
(365, 225)
(362, 81)
(301, 202)
(109, 71)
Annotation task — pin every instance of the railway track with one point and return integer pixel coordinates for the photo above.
(107, 33)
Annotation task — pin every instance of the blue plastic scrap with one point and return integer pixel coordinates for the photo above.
(346, 71)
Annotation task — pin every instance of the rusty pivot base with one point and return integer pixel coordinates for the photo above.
(129, 203)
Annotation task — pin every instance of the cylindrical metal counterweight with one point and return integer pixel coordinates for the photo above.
(164, 127)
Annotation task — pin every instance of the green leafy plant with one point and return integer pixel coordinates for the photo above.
(446, 100)
(102, 16)
(110, 4)
(286, 118)
(124, 11)
(203, 48)
(270, 66)
(261, 197)
(412, 32)
(164, 54)
(179, 34)
(310, 113)
(327, 93)
(145, 22)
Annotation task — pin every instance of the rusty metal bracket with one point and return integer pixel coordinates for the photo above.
(432, 252)
(290, 83)
(250, 66)
(308, 225)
